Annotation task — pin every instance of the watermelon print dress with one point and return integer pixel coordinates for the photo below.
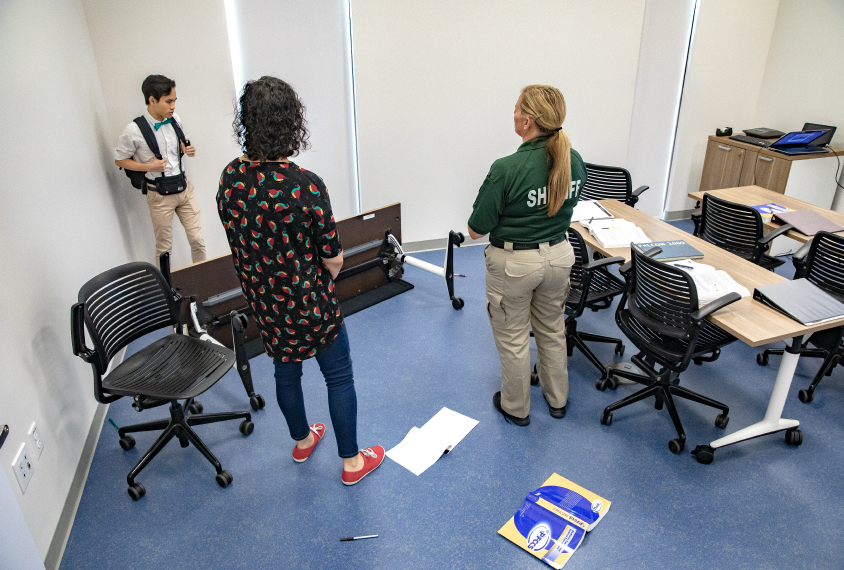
(279, 223)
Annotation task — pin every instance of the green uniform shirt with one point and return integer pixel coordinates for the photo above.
(512, 202)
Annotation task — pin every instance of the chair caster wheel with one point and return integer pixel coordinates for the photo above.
(136, 491)
(704, 454)
(619, 349)
(805, 396)
(601, 384)
(127, 442)
(534, 379)
(224, 479)
(658, 404)
(257, 402)
(612, 383)
(793, 436)
(722, 420)
(183, 441)
(195, 408)
(246, 427)
(457, 303)
(606, 418)
(762, 359)
(676, 445)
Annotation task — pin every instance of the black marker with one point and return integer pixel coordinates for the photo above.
(358, 537)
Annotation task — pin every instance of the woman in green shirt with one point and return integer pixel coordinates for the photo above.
(525, 205)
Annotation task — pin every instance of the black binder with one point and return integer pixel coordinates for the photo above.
(801, 300)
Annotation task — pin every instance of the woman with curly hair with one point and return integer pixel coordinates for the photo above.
(287, 253)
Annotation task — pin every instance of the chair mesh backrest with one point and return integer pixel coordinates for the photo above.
(663, 297)
(123, 304)
(825, 264)
(581, 257)
(730, 226)
(606, 182)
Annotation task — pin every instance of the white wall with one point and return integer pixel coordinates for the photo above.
(62, 223)
(436, 83)
(723, 82)
(306, 43)
(659, 82)
(188, 42)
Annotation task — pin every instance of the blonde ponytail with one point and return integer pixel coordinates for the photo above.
(547, 107)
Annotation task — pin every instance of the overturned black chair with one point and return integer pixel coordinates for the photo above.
(594, 287)
(738, 229)
(610, 183)
(821, 261)
(659, 313)
(126, 303)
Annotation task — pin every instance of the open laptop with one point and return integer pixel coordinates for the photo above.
(799, 142)
(826, 138)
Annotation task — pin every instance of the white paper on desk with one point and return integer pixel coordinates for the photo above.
(589, 210)
(711, 284)
(422, 447)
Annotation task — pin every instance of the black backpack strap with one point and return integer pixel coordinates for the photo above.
(149, 136)
(179, 133)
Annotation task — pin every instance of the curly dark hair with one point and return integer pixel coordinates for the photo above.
(269, 120)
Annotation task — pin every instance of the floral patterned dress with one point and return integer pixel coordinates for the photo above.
(279, 225)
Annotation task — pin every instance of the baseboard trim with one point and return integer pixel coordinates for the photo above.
(53, 559)
(678, 215)
(432, 244)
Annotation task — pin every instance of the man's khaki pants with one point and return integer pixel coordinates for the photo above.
(185, 206)
(527, 289)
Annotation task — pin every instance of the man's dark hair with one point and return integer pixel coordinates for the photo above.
(269, 120)
(156, 86)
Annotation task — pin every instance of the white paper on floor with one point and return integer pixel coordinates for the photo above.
(421, 447)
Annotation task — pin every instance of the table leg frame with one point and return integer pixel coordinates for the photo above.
(773, 421)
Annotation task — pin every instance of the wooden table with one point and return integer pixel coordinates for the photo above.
(756, 195)
(750, 321)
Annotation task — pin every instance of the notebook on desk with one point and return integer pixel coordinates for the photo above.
(801, 300)
(807, 222)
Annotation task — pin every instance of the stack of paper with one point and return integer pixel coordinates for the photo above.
(421, 447)
(711, 284)
(554, 519)
(587, 210)
(616, 233)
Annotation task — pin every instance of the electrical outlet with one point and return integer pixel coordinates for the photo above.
(23, 467)
(37, 442)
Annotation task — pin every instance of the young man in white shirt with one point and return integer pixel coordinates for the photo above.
(133, 153)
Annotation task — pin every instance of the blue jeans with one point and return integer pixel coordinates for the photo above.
(335, 362)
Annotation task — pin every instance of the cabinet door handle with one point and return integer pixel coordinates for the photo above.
(725, 147)
(766, 159)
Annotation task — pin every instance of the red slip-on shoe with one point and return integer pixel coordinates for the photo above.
(372, 458)
(299, 455)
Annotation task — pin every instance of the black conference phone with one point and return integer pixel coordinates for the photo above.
(764, 133)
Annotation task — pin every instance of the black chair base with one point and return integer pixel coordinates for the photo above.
(664, 387)
(179, 425)
(831, 360)
(575, 338)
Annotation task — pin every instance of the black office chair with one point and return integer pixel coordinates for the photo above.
(124, 304)
(659, 313)
(738, 229)
(821, 261)
(600, 288)
(610, 182)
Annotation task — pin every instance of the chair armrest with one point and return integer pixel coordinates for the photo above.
(639, 190)
(774, 234)
(603, 262)
(800, 254)
(710, 308)
(77, 334)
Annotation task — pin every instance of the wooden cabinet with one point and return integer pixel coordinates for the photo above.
(722, 166)
(731, 164)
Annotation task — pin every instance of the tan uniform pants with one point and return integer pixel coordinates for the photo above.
(161, 209)
(526, 290)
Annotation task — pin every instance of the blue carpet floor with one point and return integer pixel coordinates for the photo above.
(761, 504)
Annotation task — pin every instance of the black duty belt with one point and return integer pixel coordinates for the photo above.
(521, 246)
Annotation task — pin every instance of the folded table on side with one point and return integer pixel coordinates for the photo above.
(748, 320)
